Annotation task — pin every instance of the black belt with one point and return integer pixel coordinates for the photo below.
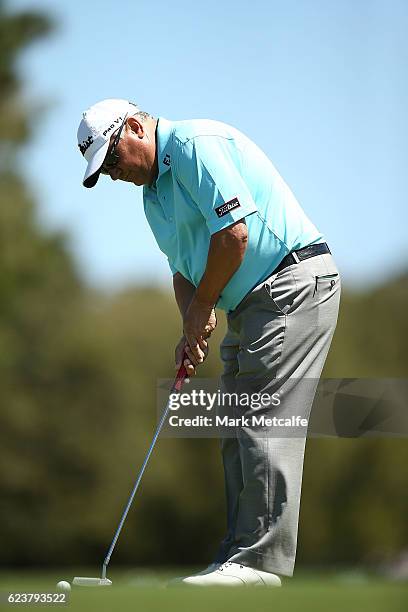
(305, 253)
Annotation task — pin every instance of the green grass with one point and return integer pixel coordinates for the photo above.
(145, 591)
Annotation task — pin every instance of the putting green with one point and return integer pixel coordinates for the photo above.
(145, 591)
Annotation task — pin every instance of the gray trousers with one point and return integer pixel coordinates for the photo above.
(278, 339)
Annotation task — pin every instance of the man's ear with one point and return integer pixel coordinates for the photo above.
(136, 126)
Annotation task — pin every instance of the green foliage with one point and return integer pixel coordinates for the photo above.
(78, 404)
(16, 32)
(370, 339)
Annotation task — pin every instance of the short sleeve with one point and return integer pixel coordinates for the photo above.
(209, 168)
(172, 268)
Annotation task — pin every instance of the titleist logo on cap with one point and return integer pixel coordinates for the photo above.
(84, 145)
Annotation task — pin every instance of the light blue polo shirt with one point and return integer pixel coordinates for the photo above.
(210, 176)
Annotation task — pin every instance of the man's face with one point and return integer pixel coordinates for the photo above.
(136, 154)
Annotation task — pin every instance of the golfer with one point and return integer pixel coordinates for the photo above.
(236, 239)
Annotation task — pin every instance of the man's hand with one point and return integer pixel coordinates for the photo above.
(191, 363)
(199, 322)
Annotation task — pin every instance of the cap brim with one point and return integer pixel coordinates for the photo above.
(93, 169)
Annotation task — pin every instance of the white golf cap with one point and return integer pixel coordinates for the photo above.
(98, 124)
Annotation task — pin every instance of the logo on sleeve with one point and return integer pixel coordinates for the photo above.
(227, 207)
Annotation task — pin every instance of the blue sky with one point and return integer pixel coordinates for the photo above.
(320, 85)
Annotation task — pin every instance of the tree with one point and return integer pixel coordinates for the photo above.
(78, 374)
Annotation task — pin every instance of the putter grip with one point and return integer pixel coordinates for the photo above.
(180, 376)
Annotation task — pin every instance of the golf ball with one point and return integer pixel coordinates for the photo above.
(63, 585)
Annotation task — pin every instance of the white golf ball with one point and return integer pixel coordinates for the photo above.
(63, 585)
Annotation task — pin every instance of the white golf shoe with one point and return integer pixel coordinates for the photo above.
(210, 568)
(234, 574)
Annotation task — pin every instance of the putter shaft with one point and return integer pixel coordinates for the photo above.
(178, 383)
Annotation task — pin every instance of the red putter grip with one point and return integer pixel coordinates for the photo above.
(181, 375)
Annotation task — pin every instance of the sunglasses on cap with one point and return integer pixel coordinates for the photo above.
(112, 158)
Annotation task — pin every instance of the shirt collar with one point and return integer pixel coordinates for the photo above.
(164, 133)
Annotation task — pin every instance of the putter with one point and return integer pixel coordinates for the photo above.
(103, 580)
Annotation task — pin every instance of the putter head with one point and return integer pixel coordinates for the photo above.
(91, 582)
